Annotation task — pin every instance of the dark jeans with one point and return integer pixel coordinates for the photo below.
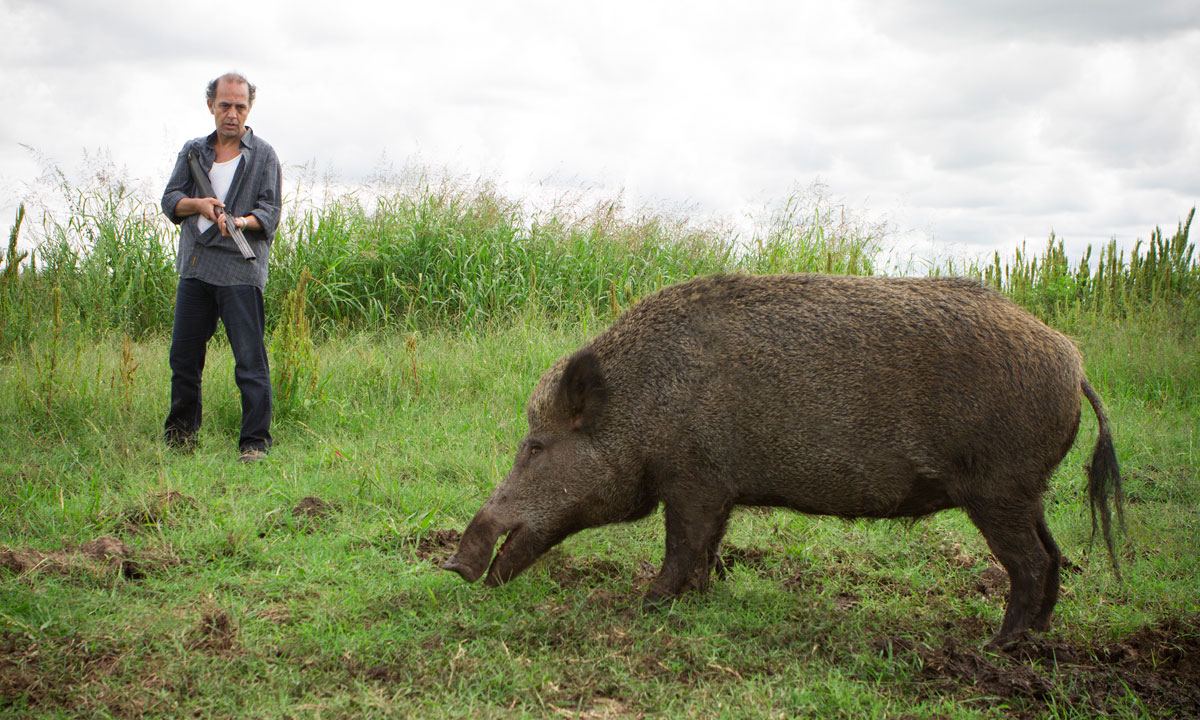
(198, 307)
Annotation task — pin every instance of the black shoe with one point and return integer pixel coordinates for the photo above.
(252, 455)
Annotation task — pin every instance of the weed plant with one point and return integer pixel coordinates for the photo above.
(296, 376)
(1165, 271)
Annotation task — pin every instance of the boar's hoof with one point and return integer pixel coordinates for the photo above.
(652, 604)
(1008, 644)
(657, 600)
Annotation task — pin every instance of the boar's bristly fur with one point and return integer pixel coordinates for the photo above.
(852, 397)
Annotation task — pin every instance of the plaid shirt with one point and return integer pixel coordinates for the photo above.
(257, 189)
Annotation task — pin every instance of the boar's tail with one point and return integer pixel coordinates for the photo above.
(1104, 478)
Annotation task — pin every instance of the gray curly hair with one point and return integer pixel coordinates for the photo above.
(211, 93)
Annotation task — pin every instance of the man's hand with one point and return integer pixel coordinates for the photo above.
(246, 222)
(208, 207)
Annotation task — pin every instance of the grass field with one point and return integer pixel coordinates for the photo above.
(135, 581)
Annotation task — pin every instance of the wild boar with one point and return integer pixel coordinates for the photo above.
(844, 396)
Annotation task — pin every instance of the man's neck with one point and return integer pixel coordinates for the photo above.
(228, 143)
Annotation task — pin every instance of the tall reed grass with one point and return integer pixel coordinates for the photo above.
(446, 254)
(1165, 270)
(422, 254)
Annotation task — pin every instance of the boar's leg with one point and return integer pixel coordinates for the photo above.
(1041, 621)
(694, 532)
(1012, 532)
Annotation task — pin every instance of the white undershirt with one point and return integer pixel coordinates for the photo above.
(221, 177)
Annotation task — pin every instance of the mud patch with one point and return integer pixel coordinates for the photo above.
(955, 554)
(956, 664)
(1160, 664)
(18, 663)
(104, 557)
(313, 508)
(645, 574)
(310, 515)
(801, 580)
(436, 546)
(993, 582)
(216, 633)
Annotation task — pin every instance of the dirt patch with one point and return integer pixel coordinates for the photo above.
(845, 601)
(106, 556)
(644, 575)
(955, 554)
(29, 675)
(18, 665)
(216, 633)
(599, 708)
(591, 572)
(993, 582)
(1160, 664)
(436, 546)
(311, 514)
(313, 508)
(956, 664)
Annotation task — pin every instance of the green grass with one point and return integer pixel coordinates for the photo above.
(235, 605)
(426, 323)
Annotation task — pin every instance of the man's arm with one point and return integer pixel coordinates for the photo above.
(177, 200)
(265, 215)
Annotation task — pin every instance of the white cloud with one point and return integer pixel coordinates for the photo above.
(971, 126)
(1051, 21)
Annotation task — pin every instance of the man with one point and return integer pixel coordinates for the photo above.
(216, 282)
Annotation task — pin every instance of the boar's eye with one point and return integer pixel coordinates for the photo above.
(535, 449)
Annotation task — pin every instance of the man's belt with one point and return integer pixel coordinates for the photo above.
(204, 187)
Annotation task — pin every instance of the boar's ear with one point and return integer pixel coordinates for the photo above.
(582, 390)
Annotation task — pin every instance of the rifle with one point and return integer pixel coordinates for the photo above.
(204, 187)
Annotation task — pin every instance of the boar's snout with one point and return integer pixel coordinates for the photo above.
(474, 555)
(474, 552)
(469, 572)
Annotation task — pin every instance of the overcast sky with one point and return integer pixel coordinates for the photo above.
(967, 126)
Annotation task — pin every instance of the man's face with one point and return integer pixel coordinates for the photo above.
(230, 108)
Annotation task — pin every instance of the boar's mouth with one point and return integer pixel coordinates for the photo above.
(518, 551)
